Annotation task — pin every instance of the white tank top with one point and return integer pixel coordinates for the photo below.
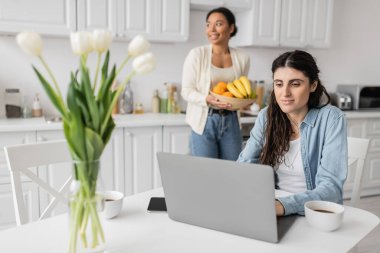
(291, 175)
(221, 75)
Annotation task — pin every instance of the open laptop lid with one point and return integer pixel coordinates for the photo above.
(227, 196)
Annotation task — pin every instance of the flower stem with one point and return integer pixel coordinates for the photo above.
(51, 75)
(122, 65)
(97, 71)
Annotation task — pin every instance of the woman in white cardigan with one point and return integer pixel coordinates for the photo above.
(215, 127)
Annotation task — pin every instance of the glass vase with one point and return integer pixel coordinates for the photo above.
(86, 230)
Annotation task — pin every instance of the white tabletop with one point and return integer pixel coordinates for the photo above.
(136, 230)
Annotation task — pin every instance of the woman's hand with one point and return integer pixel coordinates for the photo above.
(210, 99)
(279, 209)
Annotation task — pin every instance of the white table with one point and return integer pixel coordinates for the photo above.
(136, 230)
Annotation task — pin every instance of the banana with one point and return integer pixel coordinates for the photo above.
(240, 87)
(247, 85)
(231, 88)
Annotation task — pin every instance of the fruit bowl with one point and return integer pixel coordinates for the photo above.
(236, 103)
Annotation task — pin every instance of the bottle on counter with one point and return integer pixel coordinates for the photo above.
(260, 93)
(126, 100)
(176, 108)
(36, 108)
(164, 101)
(155, 102)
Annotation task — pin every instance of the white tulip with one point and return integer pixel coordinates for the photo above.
(138, 46)
(81, 42)
(102, 40)
(30, 43)
(144, 63)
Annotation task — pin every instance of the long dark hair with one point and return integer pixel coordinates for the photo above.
(278, 126)
(228, 15)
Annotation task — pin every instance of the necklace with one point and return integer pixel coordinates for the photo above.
(295, 126)
(291, 165)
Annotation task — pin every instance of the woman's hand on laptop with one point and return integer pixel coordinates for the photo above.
(279, 209)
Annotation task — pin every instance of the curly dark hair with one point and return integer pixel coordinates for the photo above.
(278, 127)
(228, 15)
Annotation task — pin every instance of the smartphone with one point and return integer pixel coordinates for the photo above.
(157, 204)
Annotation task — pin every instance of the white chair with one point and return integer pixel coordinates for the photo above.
(357, 152)
(21, 159)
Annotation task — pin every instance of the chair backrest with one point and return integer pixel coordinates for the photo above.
(24, 157)
(357, 152)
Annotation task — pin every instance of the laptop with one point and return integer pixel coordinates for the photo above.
(227, 196)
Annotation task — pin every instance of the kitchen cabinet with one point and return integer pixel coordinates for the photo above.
(234, 5)
(285, 23)
(140, 163)
(176, 139)
(366, 128)
(97, 14)
(52, 17)
(157, 20)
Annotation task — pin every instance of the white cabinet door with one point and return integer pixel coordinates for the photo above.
(285, 23)
(172, 21)
(135, 17)
(7, 213)
(320, 23)
(294, 17)
(260, 26)
(112, 162)
(140, 163)
(157, 20)
(176, 139)
(234, 5)
(366, 128)
(97, 14)
(54, 17)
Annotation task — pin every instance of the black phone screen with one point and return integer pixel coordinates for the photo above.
(157, 204)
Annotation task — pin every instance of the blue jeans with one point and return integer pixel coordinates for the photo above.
(221, 138)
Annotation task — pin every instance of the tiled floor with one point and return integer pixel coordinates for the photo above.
(371, 243)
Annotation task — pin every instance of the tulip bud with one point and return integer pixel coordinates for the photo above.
(144, 63)
(102, 40)
(30, 43)
(138, 46)
(81, 42)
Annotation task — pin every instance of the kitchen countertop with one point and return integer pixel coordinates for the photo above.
(139, 120)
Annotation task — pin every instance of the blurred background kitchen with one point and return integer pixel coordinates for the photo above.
(351, 55)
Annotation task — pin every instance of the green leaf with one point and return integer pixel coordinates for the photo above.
(76, 132)
(106, 85)
(90, 98)
(54, 98)
(108, 131)
(94, 144)
(105, 66)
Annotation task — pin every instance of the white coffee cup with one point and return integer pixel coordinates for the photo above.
(113, 202)
(324, 215)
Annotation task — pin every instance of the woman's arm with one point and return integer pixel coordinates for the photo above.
(191, 71)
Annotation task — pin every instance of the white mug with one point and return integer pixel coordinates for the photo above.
(113, 202)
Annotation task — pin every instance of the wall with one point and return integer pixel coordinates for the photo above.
(352, 58)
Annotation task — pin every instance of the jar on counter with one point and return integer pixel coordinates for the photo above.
(139, 109)
(13, 104)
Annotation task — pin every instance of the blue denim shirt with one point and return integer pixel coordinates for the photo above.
(323, 152)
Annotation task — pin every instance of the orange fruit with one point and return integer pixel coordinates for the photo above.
(222, 85)
(219, 88)
(227, 94)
